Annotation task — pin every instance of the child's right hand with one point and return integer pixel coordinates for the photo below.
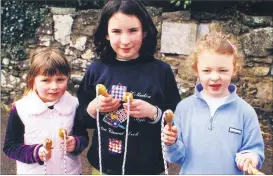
(169, 137)
(42, 150)
(106, 104)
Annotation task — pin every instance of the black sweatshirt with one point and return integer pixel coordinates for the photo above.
(148, 79)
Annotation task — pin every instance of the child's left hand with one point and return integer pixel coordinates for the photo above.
(141, 109)
(244, 159)
(70, 143)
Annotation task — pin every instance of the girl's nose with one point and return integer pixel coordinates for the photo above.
(214, 76)
(125, 39)
(54, 85)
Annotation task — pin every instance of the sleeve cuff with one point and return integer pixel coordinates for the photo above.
(77, 146)
(89, 114)
(171, 148)
(249, 151)
(159, 114)
(36, 154)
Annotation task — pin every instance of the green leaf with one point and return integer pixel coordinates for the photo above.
(173, 1)
(177, 3)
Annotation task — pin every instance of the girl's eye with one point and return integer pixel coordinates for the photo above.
(224, 70)
(116, 31)
(133, 30)
(206, 71)
(44, 80)
(60, 79)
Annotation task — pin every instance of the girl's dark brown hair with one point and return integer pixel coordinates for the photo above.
(102, 46)
(48, 62)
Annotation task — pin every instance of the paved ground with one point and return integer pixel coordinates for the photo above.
(8, 166)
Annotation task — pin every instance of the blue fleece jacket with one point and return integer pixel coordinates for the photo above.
(207, 145)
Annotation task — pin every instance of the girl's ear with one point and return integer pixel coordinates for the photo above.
(107, 37)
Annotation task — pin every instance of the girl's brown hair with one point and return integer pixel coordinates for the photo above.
(48, 62)
(220, 43)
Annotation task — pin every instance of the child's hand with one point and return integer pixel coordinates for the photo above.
(106, 104)
(244, 159)
(70, 143)
(169, 137)
(141, 109)
(41, 152)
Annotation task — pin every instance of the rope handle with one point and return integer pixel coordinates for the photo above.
(168, 117)
(128, 98)
(100, 90)
(48, 146)
(63, 134)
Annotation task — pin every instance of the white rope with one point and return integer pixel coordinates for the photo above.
(126, 136)
(44, 155)
(98, 128)
(65, 153)
(163, 146)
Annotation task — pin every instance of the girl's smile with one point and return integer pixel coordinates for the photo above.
(215, 72)
(125, 35)
(50, 88)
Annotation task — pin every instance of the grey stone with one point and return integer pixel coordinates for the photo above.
(256, 20)
(5, 61)
(258, 42)
(153, 11)
(88, 54)
(85, 22)
(264, 88)
(24, 77)
(45, 40)
(62, 11)
(177, 16)
(202, 15)
(46, 27)
(234, 26)
(263, 60)
(3, 79)
(79, 43)
(202, 29)
(11, 78)
(76, 79)
(87, 30)
(178, 38)
(62, 28)
(256, 71)
(23, 85)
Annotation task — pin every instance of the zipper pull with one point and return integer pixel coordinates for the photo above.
(210, 124)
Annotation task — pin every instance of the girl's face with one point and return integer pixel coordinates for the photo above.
(215, 72)
(50, 88)
(125, 35)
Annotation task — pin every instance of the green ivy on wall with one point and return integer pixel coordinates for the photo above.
(19, 21)
(180, 3)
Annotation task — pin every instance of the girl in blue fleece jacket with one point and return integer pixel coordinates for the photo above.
(215, 131)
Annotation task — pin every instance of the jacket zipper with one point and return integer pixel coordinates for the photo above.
(210, 126)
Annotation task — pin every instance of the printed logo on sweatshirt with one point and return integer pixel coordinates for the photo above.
(118, 91)
(235, 131)
(115, 146)
(115, 118)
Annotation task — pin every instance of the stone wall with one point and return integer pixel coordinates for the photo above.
(71, 31)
